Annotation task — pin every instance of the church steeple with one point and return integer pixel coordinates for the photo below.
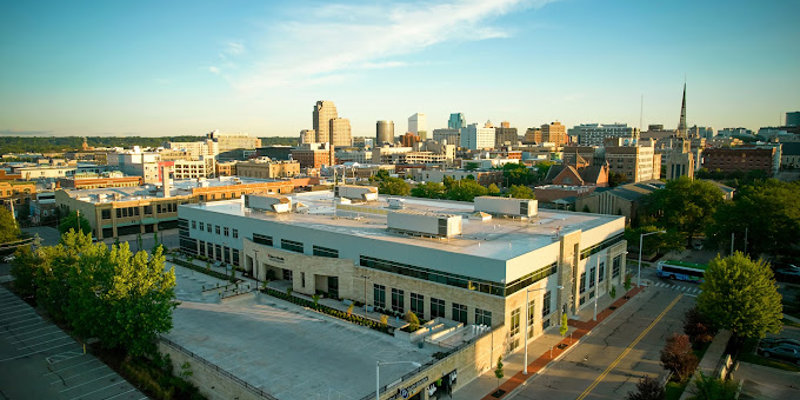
(682, 123)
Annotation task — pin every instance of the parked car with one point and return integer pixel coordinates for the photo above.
(782, 352)
(772, 342)
(787, 272)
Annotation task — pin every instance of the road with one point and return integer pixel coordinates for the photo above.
(608, 363)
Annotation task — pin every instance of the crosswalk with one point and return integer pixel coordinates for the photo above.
(689, 290)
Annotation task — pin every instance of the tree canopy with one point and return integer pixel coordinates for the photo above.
(430, 190)
(9, 229)
(683, 205)
(466, 190)
(520, 192)
(394, 186)
(740, 295)
(123, 299)
(75, 222)
(769, 211)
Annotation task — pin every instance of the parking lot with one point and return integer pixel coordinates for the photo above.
(39, 361)
(288, 351)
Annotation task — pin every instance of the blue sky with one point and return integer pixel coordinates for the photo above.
(188, 67)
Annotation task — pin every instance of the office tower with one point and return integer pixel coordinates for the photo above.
(384, 133)
(457, 121)
(596, 134)
(340, 135)
(418, 125)
(532, 136)
(474, 137)
(505, 134)
(308, 136)
(554, 133)
(682, 122)
(793, 118)
(324, 112)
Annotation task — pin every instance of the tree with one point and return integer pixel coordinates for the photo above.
(740, 295)
(471, 166)
(9, 229)
(75, 222)
(466, 190)
(520, 192)
(647, 389)
(709, 388)
(615, 179)
(498, 371)
(564, 328)
(613, 292)
(394, 186)
(768, 211)
(684, 205)
(699, 328)
(659, 243)
(413, 321)
(429, 190)
(677, 356)
(492, 189)
(517, 174)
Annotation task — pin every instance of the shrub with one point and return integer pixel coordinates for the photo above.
(384, 319)
(413, 321)
(677, 356)
(698, 327)
(647, 389)
(350, 309)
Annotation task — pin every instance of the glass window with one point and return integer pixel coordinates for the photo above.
(106, 214)
(514, 331)
(615, 267)
(417, 304)
(291, 245)
(202, 226)
(583, 282)
(325, 252)
(262, 239)
(194, 224)
(235, 233)
(398, 300)
(216, 229)
(379, 295)
(546, 304)
(226, 231)
(602, 271)
(592, 276)
(483, 317)
(208, 228)
(437, 308)
(531, 316)
(460, 313)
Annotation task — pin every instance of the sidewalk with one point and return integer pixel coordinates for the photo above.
(542, 351)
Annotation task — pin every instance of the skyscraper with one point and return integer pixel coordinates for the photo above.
(384, 132)
(457, 121)
(418, 125)
(682, 122)
(555, 133)
(308, 136)
(324, 112)
(340, 135)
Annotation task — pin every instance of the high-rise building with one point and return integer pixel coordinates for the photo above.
(637, 163)
(384, 132)
(474, 137)
(447, 135)
(418, 125)
(324, 112)
(505, 134)
(409, 140)
(595, 134)
(705, 132)
(793, 118)
(554, 133)
(340, 135)
(532, 136)
(308, 136)
(682, 122)
(456, 121)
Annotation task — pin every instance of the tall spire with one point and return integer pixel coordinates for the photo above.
(682, 123)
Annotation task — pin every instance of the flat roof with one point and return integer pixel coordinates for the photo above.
(150, 191)
(498, 238)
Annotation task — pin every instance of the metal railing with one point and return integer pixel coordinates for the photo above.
(217, 369)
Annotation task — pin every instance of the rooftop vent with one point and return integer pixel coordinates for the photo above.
(359, 193)
(424, 224)
(266, 202)
(507, 206)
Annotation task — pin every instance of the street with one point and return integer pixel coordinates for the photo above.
(609, 362)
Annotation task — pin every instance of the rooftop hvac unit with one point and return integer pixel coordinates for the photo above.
(397, 204)
(424, 224)
(359, 193)
(507, 206)
(270, 203)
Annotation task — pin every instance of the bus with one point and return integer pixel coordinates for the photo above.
(681, 270)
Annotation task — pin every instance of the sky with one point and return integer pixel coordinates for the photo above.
(158, 68)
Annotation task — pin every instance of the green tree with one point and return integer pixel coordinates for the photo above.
(615, 179)
(498, 371)
(654, 244)
(740, 295)
(517, 174)
(9, 229)
(471, 166)
(770, 213)
(709, 388)
(381, 175)
(520, 192)
(647, 389)
(677, 356)
(684, 205)
(564, 328)
(492, 189)
(613, 292)
(466, 190)
(429, 190)
(394, 186)
(75, 222)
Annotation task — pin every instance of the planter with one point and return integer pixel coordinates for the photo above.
(498, 393)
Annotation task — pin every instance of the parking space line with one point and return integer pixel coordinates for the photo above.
(19, 322)
(70, 367)
(79, 374)
(47, 341)
(17, 317)
(35, 352)
(14, 312)
(88, 382)
(97, 390)
(15, 307)
(24, 329)
(119, 394)
(16, 342)
(42, 328)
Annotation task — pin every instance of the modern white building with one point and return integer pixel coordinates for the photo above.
(474, 137)
(471, 263)
(418, 125)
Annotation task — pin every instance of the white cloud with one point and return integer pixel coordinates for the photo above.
(334, 39)
(214, 70)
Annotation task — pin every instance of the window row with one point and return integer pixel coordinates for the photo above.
(437, 306)
(219, 230)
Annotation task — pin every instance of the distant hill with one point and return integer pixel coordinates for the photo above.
(39, 144)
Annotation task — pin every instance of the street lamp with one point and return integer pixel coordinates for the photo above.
(378, 373)
(527, 318)
(641, 239)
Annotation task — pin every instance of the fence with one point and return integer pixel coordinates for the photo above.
(220, 371)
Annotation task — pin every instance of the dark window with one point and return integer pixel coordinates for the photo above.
(106, 214)
(227, 253)
(202, 226)
(531, 316)
(291, 245)
(592, 276)
(325, 252)
(601, 246)
(514, 331)
(202, 248)
(208, 228)
(379, 298)
(615, 266)
(460, 313)
(216, 229)
(398, 300)
(583, 282)
(226, 231)
(194, 224)
(546, 304)
(236, 257)
(417, 304)
(235, 233)
(148, 209)
(437, 308)
(119, 213)
(262, 239)
(483, 317)
(218, 253)
(288, 275)
(602, 271)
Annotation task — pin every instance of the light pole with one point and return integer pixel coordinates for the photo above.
(527, 318)
(378, 373)
(641, 239)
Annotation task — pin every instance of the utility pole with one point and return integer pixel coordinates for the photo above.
(732, 238)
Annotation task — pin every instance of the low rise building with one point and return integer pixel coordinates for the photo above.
(266, 169)
(313, 155)
(638, 163)
(595, 134)
(741, 158)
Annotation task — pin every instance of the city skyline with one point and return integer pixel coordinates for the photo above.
(80, 69)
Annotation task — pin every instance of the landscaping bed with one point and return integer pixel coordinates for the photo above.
(207, 271)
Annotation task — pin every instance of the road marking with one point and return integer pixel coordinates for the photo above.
(117, 395)
(628, 349)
